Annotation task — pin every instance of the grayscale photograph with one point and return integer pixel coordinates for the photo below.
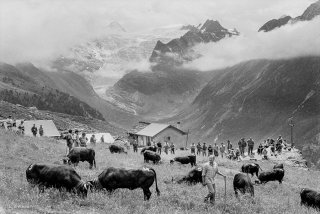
(159, 106)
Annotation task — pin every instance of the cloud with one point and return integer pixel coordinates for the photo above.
(39, 30)
(300, 39)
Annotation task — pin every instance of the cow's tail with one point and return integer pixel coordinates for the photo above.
(155, 178)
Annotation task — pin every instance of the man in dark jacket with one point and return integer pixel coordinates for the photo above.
(250, 146)
(34, 130)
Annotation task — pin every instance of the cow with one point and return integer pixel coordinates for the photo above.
(152, 156)
(56, 176)
(252, 168)
(117, 149)
(186, 160)
(82, 154)
(193, 177)
(278, 166)
(242, 183)
(273, 175)
(148, 148)
(114, 178)
(310, 198)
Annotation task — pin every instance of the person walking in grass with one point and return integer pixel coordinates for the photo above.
(69, 140)
(41, 131)
(210, 169)
(76, 141)
(93, 140)
(21, 127)
(216, 150)
(204, 149)
(250, 143)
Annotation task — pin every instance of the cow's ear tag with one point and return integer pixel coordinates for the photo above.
(145, 169)
(199, 169)
(30, 167)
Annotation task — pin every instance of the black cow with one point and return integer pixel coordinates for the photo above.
(149, 148)
(57, 176)
(114, 178)
(242, 183)
(252, 168)
(193, 177)
(310, 198)
(278, 166)
(117, 149)
(186, 160)
(82, 154)
(274, 175)
(152, 156)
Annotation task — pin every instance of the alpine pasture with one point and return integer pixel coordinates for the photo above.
(17, 196)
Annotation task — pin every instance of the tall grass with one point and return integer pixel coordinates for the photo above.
(18, 197)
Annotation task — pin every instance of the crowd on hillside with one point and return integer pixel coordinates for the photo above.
(232, 153)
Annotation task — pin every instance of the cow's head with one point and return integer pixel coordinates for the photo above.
(94, 185)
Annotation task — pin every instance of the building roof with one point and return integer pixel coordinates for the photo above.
(155, 128)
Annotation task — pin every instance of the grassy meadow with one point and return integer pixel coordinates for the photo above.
(18, 197)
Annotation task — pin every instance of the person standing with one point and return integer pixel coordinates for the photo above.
(222, 149)
(9, 122)
(34, 130)
(93, 140)
(69, 140)
(204, 149)
(250, 143)
(159, 145)
(193, 148)
(102, 139)
(135, 145)
(172, 148)
(166, 147)
(210, 150)
(21, 127)
(229, 145)
(41, 131)
(216, 150)
(243, 146)
(210, 169)
(76, 142)
(83, 140)
(198, 148)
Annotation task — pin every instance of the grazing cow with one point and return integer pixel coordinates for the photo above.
(242, 183)
(82, 154)
(57, 176)
(116, 149)
(152, 156)
(278, 166)
(114, 178)
(274, 175)
(186, 160)
(252, 168)
(149, 148)
(310, 198)
(193, 177)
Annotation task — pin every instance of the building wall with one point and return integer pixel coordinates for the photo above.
(176, 137)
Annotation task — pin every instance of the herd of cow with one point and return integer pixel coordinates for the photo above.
(65, 177)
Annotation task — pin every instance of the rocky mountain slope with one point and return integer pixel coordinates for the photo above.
(61, 91)
(312, 11)
(167, 88)
(179, 50)
(256, 99)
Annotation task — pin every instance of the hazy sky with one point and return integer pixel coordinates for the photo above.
(32, 30)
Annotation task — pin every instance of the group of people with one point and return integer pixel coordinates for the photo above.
(276, 147)
(74, 139)
(209, 150)
(11, 124)
(34, 130)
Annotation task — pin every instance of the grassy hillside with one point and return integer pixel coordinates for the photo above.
(17, 197)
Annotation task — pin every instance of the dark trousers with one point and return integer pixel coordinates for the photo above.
(250, 149)
(159, 150)
(135, 149)
(198, 152)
